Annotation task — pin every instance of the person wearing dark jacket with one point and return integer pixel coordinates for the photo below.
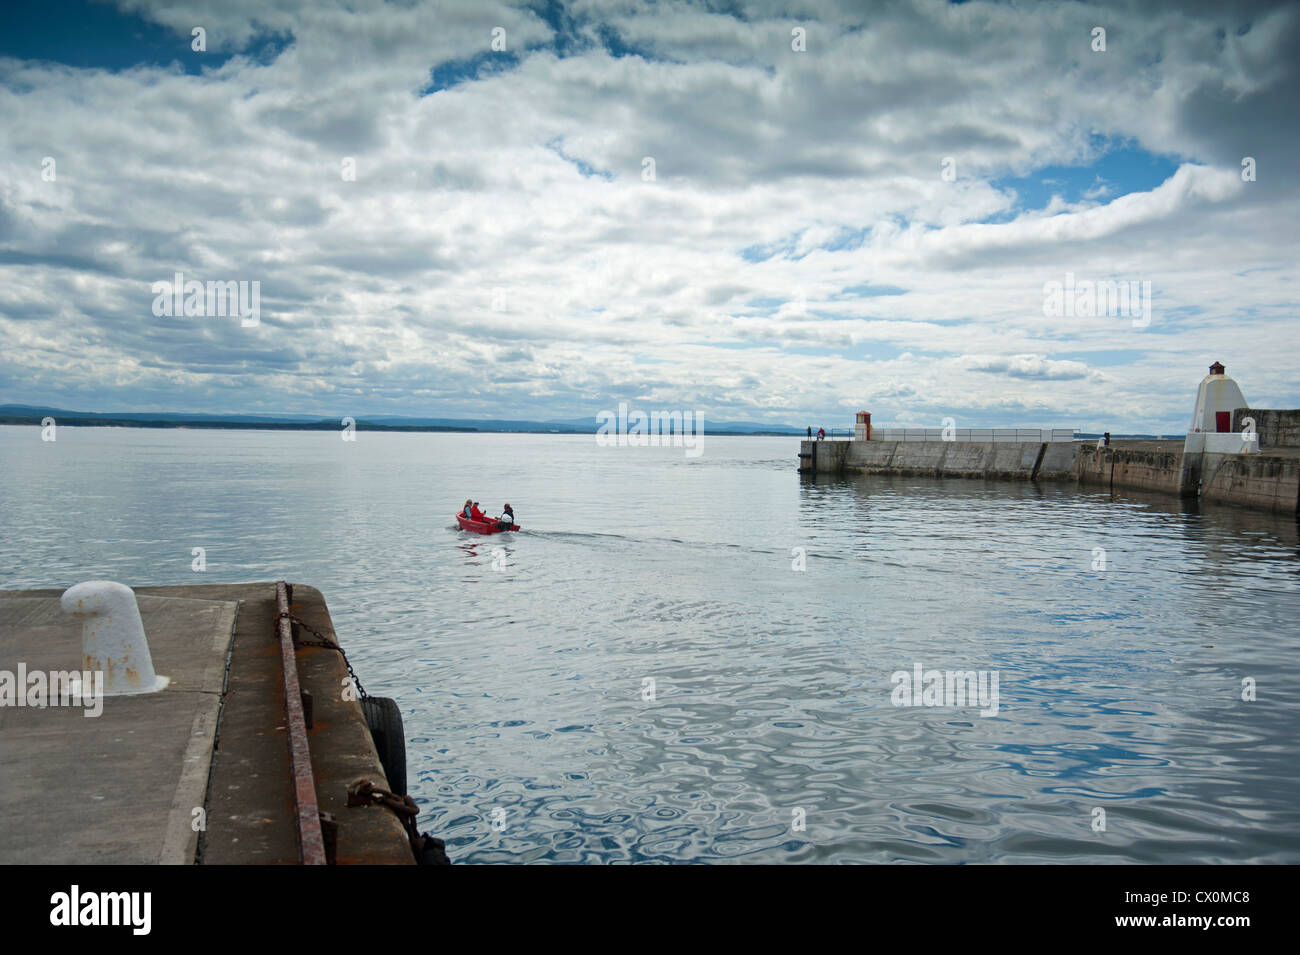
(507, 518)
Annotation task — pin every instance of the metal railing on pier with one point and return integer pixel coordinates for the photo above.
(833, 434)
(1030, 435)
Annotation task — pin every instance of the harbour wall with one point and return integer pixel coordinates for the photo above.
(1004, 460)
(1264, 481)
(1136, 468)
(1258, 480)
(1276, 429)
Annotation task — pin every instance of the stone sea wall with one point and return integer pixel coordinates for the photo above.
(1260, 480)
(1277, 429)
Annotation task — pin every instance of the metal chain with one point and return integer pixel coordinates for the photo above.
(328, 645)
(363, 792)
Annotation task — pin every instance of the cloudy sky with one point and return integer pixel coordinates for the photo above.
(767, 212)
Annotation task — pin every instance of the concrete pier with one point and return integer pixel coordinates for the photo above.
(198, 771)
(1002, 460)
(1267, 480)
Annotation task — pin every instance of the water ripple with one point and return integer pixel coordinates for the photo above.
(668, 687)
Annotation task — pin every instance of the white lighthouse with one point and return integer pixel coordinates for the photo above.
(1216, 400)
(1211, 428)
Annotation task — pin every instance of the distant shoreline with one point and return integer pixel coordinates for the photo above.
(72, 422)
(361, 424)
(84, 419)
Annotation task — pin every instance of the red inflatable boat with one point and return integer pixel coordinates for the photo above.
(483, 527)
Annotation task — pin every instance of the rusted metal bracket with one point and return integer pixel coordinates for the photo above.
(311, 842)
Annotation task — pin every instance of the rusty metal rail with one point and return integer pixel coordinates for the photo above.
(311, 842)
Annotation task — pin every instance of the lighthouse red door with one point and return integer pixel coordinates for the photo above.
(1223, 421)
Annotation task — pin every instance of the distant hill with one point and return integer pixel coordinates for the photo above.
(32, 414)
(1090, 436)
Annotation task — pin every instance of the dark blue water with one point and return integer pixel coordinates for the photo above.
(521, 663)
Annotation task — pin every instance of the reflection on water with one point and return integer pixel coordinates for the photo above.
(642, 675)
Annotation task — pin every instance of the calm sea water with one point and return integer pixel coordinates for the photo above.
(522, 664)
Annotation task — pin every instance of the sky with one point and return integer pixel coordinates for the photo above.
(779, 213)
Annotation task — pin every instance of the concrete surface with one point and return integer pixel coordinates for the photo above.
(1147, 465)
(122, 787)
(119, 787)
(1002, 460)
(1267, 481)
(251, 802)
(1277, 429)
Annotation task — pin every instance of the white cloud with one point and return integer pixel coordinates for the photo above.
(378, 294)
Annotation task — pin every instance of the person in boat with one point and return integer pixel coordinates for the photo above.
(475, 514)
(507, 518)
(465, 511)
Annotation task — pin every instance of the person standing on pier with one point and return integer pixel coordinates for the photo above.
(809, 432)
(821, 434)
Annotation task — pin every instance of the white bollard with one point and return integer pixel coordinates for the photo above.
(112, 636)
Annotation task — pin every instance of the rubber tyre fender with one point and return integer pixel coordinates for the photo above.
(385, 722)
